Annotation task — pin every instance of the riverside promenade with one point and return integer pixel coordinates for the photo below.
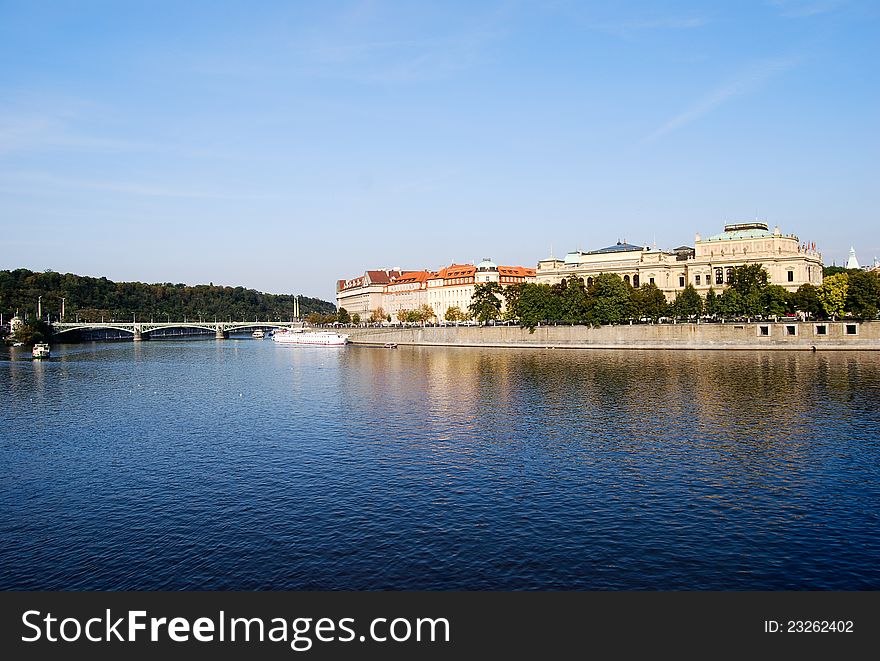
(782, 335)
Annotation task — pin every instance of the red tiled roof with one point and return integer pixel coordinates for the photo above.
(410, 277)
(520, 271)
(457, 271)
(382, 277)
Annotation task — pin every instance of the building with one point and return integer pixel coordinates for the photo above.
(709, 263)
(450, 286)
(852, 262)
(363, 294)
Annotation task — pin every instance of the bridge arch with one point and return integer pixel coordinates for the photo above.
(75, 327)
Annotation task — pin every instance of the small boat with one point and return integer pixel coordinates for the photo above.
(314, 338)
(18, 344)
(390, 345)
(41, 350)
(258, 334)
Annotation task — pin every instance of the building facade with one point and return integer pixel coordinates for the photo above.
(709, 263)
(363, 294)
(450, 286)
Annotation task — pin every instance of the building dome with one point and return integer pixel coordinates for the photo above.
(487, 265)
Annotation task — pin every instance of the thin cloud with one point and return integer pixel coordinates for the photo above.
(403, 61)
(805, 8)
(627, 27)
(746, 83)
(29, 132)
(41, 181)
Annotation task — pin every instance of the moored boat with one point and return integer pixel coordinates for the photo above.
(40, 350)
(258, 334)
(314, 338)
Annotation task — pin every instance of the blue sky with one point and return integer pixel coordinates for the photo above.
(284, 145)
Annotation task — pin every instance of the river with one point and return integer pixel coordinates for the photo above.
(241, 464)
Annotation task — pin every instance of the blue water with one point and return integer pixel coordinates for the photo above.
(240, 464)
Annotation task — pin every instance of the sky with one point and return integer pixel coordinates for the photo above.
(285, 145)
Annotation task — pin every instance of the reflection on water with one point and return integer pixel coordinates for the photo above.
(239, 464)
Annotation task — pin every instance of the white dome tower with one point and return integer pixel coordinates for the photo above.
(852, 262)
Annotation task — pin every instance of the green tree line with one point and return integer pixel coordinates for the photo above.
(91, 299)
(610, 300)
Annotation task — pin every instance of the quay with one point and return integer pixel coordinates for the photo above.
(781, 335)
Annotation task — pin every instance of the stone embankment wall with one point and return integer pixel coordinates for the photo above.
(830, 335)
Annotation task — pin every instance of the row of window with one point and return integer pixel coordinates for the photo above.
(635, 281)
(720, 279)
(818, 329)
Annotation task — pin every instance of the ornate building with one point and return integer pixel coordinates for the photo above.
(451, 286)
(708, 264)
(363, 294)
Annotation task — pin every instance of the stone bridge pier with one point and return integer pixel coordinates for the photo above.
(221, 333)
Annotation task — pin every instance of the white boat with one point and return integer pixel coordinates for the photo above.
(258, 334)
(40, 350)
(314, 338)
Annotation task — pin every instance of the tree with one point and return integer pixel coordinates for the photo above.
(536, 304)
(486, 301)
(688, 303)
(775, 300)
(711, 304)
(832, 294)
(454, 314)
(89, 299)
(403, 315)
(575, 302)
(730, 303)
(425, 313)
(748, 278)
(648, 301)
(610, 299)
(863, 294)
(356, 319)
(379, 315)
(806, 299)
(343, 317)
(512, 295)
(750, 282)
(33, 331)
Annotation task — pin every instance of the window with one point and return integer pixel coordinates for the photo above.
(697, 279)
(626, 279)
(764, 331)
(589, 282)
(791, 330)
(821, 329)
(719, 276)
(851, 329)
(729, 274)
(635, 281)
(681, 281)
(791, 276)
(651, 280)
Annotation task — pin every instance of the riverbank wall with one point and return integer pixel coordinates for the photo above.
(802, 336)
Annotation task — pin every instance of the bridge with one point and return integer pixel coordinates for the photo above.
(142, 330)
